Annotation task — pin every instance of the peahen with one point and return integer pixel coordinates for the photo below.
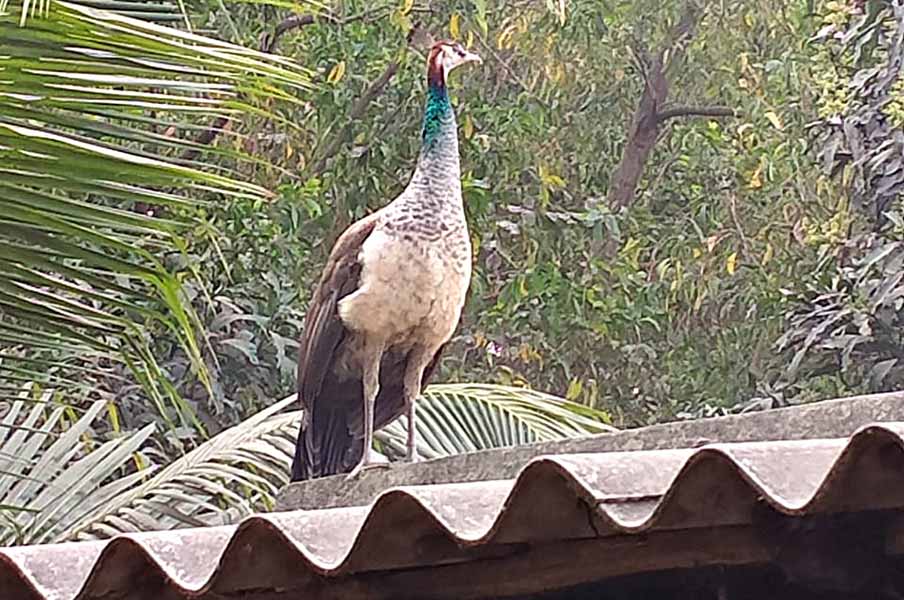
(390, 297)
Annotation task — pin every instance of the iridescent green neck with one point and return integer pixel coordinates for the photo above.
(437, 110)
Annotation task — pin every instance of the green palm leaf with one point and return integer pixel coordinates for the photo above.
(467, 417)
(240, 470)
(51, 475)
(227, 477)
(96, 110)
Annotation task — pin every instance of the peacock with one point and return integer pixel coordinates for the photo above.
(389, 299)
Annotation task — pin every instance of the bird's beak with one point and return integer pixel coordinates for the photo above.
(472, 57)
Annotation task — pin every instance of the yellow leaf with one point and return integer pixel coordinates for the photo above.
(732, 263)
(767, 256)
(468, 127)
(755, 181)
(552, 180)
(697, 252)
(337, 72)
(114, 417)
(470, 39)
(407, 5)
(574, 389)
(548, 178)
(454, 26)
(773, 118)
(504, 39)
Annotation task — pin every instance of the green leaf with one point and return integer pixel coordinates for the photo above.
(83, 88)
(456, 418)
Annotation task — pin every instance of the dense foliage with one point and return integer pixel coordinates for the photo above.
(663, 305)
(847, 321)
(678, 209)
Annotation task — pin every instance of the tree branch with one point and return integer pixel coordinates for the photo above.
(370, 94)
(648, 116)
(418, 37)
(696, 111)
(268, 40)
(513, 75)
(681, 35)
(268, 44)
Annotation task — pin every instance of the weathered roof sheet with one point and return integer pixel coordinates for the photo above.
(554, 498)
(828, 419)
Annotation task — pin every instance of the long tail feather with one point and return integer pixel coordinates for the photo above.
(326, 443)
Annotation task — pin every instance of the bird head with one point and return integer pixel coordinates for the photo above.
(446, 55)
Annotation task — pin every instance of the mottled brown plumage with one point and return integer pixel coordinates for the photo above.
(388, 300)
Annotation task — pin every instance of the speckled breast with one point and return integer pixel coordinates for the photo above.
(410, 283)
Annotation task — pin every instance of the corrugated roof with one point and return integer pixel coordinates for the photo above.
(554, 498)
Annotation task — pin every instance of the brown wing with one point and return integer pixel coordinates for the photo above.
(331, 437)
(323, 331)
(324, 440)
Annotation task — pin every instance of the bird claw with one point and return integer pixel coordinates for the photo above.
(366, 464)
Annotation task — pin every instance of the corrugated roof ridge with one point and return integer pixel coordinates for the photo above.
(620, 493)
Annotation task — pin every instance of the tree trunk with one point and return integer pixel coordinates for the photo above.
(644, 131)
(647, 117)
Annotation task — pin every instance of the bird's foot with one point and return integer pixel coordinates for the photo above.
(367, 463)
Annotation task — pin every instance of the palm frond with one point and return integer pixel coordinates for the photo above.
(467, 417)
(241, 470)
(236, 472)
(51, 472)
(159, 11)
(97, 114)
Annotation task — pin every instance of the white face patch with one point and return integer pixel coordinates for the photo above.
(454, 55)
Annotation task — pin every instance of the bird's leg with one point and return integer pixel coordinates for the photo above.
(410, 446)
(417, 362)
(371, 384)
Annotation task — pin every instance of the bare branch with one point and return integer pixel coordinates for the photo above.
(508, 70)
(696, 111)
(680, 36)
(649, 116)
(268, 40)
(268, 44)
(370, 94)
(418, 37)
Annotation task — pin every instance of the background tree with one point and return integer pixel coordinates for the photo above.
(657, 191)
(846, 322)
(109, 177)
